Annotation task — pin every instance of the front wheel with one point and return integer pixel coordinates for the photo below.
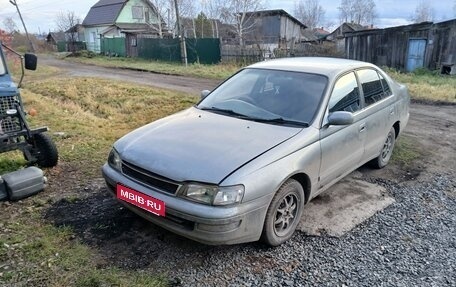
(387, 150)
(44, 150)
(284, 213)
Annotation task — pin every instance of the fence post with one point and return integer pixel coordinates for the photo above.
(180, 35)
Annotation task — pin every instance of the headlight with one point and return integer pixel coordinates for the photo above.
(114, 160)
(214, 195)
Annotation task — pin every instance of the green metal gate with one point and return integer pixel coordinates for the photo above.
(159, 49)
(113, 46)
(204, 51)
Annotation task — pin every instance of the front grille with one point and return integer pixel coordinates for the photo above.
(169, 218)
(148, 178)
(9, 124)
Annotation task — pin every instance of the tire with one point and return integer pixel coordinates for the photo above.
(387, 150)
(284, 213)
(44, 150)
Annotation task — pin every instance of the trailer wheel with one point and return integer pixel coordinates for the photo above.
(44, 150)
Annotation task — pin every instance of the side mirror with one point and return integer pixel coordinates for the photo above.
(340, 118)
(204, 94)
(30, 61)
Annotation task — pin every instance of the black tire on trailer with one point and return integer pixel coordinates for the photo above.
(44, 150)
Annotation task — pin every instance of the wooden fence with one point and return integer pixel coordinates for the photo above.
(253, 53)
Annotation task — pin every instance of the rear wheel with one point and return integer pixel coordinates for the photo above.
(44, 150)
(284, 213)
(387, 150)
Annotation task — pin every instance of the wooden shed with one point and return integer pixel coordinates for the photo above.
(406, 48)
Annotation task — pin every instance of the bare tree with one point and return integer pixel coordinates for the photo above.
(357, 11)
(423, 12)
(213, 9)
(68, 23)
(186, 10)
(5, 37)
(162, 8)
(237, 14)
(10, 25)
(309, 12)
(32, 48)
(203, 27)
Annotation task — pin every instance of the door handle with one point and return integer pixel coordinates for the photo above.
(362, 128)
(391, 111)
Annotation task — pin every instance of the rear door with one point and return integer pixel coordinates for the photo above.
(378, 112)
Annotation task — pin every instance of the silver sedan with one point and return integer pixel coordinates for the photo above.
(241, 164)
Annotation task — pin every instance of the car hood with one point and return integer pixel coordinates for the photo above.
(201, 146)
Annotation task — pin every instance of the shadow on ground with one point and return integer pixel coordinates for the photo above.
(123, 239)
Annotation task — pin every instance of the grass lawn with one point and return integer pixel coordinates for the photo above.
(89, 114)
(428, 86)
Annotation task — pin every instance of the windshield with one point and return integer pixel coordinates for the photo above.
(269, 95)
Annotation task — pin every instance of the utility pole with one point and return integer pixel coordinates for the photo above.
(32, 49)
(180, 34)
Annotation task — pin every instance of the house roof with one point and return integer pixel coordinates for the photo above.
(104, 12)
(280, 12)
(355, 27)
(56, 36)
(320, 32)
(134, 28)
(76, 28)
(308, 36)
(345, 27)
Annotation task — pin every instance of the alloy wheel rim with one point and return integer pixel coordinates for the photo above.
(286, 214)
(387, 146)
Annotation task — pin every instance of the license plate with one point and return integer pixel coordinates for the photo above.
(141, 200)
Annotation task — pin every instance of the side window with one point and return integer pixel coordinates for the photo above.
(386, 87)
(372, 86)
(345, 96)
(137, 12)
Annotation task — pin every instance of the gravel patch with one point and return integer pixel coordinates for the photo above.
(410, 243)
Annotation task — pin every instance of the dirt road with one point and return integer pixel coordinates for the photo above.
(179, 83)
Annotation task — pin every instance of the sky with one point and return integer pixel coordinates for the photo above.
(39, 16)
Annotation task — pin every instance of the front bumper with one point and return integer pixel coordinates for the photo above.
(214, 225)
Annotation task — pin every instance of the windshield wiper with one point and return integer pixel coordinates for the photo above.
(224, 111)
(246, 117)
(281, 121)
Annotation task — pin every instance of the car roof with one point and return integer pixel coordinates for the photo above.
(317, 65)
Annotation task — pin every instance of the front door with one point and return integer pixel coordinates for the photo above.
(132, 45)
(416, 52)
(342, 147)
